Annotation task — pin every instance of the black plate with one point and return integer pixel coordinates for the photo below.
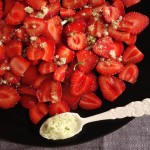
(15, 125)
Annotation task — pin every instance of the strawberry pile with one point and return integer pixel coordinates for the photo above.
(56, 55)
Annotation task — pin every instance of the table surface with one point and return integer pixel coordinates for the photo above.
(133, 136)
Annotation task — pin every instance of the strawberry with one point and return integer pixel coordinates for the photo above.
(34, 26)
(139, 21)
(28, 101)
(132, 55)
(129, 73)
(90, 101)
(2, 51)
(66, 13)
(58, 108)
(132, 39)
(9, 97)
(77, 41)
(74, 4)
(128, 3)
(95, 3)
(118, 49)
(111, 87)
(37, 112)
(16, 15)
(18, 65)
(109, 67)
(80, 83)
(87, 60)
(49, 90)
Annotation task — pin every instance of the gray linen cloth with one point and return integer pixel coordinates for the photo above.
(133, 136)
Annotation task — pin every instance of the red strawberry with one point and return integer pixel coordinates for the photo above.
(49, 90)
(129, 3)
(58, 108)
(87, 60)
(111, 87)
(34, 26)
(37, 112)
(95, 3)
(132, 55)
(140, 21)
(77, 41)
(90, 101)
(16, 15)
(118, 49)
(132, 39)
(109, 67)
(65, 12)
(129, 73)
(80, 83)
(9, 97)
(74, 4)
(19, 65)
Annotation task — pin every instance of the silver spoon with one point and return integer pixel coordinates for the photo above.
(68, 124)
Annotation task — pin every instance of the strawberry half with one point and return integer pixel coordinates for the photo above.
(129, 3)
(65, 12)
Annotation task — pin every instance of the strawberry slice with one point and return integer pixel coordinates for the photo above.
(140, 21)
(111, 87)
(87, 60)
(90, 101)
(129, 73)
(58, 108)
(118, 50)
(132, 39)
(95, 3)
(109, 67)
(66, 13)
(16, 15)
(128, 3)
(37, 112)
(9, 97)
(19, 65)
(132, 55)
(80, 83)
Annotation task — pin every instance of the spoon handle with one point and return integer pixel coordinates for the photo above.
(133, 109)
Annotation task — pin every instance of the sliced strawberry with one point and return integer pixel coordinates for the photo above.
(128, 3)
(90, 101)
(95, 3)
(60, 73)
(4, 66)
(16, 15)
(111, 87)
(28, 101)
(37, 112)
(19, 65)
(140, 21)
(80, 83)
(13, 48)
(49, 91)
(109, 67)
(87, 60)
(35, 5)
(77, 41)
(9, 97)
(129, 73)
(58, 108)
(118, 50)
(74, 4)
(132, 55)
(65, 12)
(132, 39)
(34, 26)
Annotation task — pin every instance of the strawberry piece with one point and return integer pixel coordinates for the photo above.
(118, 50)
(77, 41)
(87, 60)
(80, 83)
(49, 90)
(66, 13)
(132, 55)
(111, 87)
(19, 65)
(74, 4)
(28, 101)
(58, 108)
(9, 97)
(132, 39)
(90, 101)
(54, 29)
(60, 73)
(2, 51)
(128, 3)
(139, 21)
(4, 67)
(35, 5)
(16, 15)
(129, 73)
(103, 46)
(37, 112)
(13, 48)
(95, 3)
(109, 67)
(34, 26)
